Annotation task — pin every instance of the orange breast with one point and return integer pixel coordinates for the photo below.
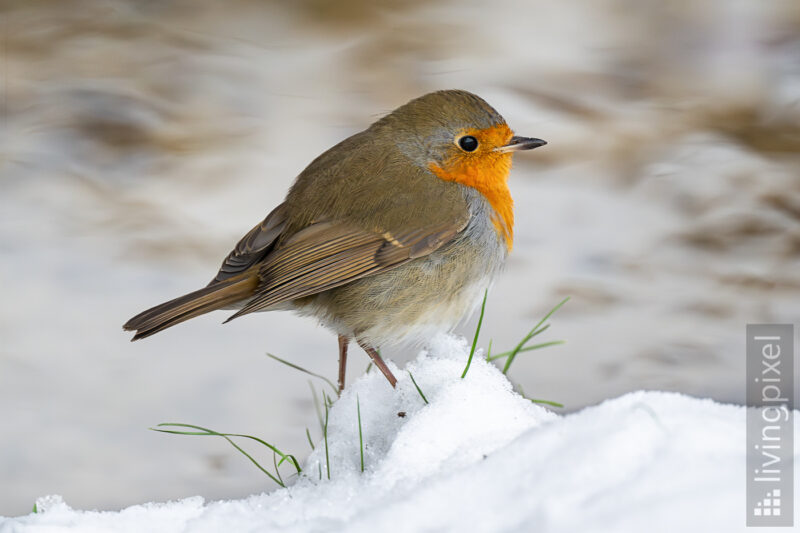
(487, 172)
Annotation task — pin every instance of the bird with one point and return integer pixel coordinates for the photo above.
(389, 236)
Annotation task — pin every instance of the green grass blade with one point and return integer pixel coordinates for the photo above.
(533, 332)
(310, 442)
(315, 399)
(360, 433)
(494, 357)
(325, 435)
(414, 381)
(310, 373)
(536, 400)
(475, 339)
(546, 402)
(230, 441)
(203, 432)
(276, 464)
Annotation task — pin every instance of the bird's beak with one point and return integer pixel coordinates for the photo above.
(520, 143)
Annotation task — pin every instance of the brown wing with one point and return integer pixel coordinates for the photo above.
(254, 246)
(329, 254)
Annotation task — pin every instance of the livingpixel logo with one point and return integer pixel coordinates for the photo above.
(770, 505)
(770, 425)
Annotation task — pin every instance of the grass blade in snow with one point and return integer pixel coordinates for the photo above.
(301, 369)
(475, 339)
(360, 433)
(414, 381)
(537, 329)
(205, 432)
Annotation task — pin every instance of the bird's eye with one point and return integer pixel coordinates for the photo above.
(468, 143)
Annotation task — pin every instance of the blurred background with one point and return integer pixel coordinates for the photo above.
(139, 140)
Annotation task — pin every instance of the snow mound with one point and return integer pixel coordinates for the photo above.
(478, 457)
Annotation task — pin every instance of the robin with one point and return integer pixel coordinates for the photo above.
(391, 234)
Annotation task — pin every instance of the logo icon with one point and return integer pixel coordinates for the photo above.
(770, 505)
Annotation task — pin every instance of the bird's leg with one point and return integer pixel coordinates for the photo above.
(343, 342)
(376, 358)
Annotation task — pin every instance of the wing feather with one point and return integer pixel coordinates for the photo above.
(328, 254)
(254, 246)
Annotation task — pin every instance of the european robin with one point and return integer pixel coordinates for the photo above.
(392, 233)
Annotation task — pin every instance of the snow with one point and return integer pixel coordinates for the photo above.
(477, 457)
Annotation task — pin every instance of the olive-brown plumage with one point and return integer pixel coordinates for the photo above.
(393, 232)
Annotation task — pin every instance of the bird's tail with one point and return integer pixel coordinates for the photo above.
(190, 305)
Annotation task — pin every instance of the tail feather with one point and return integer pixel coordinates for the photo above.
(191, 305)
